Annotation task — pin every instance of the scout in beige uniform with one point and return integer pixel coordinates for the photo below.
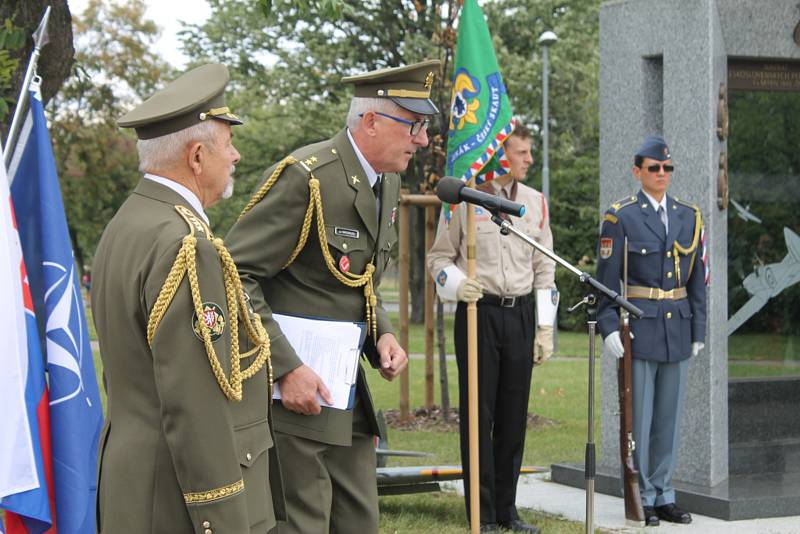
(186, 363)
(314, 241)
(508, 270)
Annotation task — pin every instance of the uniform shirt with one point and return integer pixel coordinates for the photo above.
(656, 205)
(506, 265)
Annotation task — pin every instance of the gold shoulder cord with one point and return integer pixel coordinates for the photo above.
(691, 249)
(185, 264)
(315, 206)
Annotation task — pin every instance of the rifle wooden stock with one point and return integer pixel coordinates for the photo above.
(633, 500)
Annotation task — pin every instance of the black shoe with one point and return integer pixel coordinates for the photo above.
(673, 514)
(650, 516)
(517, 525)
(489, 527)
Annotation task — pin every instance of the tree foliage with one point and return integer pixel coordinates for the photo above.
(19, 21)
(96, 161)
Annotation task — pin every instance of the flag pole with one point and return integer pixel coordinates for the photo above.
(472, 373)
(39, 40)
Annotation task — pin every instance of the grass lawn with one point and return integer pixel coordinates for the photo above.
(558, 394)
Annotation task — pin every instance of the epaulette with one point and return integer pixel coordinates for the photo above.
(194, 222)
(319, 156)
(623, 202)
(695, 207)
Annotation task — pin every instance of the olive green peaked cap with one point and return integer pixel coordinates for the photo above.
(409, 87)
(192, 98)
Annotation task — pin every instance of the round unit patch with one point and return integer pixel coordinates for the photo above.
(214, 319)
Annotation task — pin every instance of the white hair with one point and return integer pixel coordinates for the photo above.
(360, 104)
(165, 151)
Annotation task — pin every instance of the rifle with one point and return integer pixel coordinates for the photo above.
(633, 501)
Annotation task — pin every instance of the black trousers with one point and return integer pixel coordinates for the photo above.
(505, 363)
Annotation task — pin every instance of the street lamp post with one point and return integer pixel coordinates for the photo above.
(546, 39)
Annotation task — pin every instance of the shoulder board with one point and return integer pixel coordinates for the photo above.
(315, 156)
(687, 204)
(194, 222)
(623, 202)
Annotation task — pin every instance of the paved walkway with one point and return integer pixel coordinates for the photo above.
(537, 492)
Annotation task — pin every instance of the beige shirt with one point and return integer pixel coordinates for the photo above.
(506, 265)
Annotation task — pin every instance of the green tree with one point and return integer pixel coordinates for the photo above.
(96, 161)
(19, 21)
(287, 67)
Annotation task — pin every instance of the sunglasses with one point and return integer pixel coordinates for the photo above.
(656, 166)
(416, 126)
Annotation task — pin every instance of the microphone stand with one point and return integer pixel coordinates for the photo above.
(590, 300)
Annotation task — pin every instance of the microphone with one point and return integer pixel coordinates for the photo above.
(453, 191)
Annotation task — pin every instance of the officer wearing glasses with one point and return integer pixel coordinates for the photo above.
(666, 278)
(328, 265)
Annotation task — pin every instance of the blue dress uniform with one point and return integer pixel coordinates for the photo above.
(666, 279)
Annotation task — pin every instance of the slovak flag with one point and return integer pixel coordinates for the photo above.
(75, 411)
(25, 461)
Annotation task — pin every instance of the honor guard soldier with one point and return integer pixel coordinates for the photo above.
(187, 443)
(666, 278)
(509, 271)
(314, 241)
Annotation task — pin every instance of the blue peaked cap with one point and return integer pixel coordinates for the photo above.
(654, 147)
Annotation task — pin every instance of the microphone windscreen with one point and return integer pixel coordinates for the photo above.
(448, 189)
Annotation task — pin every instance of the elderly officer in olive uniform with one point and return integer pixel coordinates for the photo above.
(314, 241)
(509, 271)
(666, 279)
(186, 362)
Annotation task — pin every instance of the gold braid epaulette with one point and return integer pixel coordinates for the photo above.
(315, 207)
(691, 249)
(185, 264)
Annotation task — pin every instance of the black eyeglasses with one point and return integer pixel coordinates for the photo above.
(416, 126)
(656, 166)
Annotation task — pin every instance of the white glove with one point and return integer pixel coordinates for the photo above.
(697, 346)
(469, 290)
(542, 344)
(613, 344)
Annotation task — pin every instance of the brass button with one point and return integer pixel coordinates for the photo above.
(248, 456)
(669, 315)
(206, 524)
(669, 274)
(333, 151)
(209, 531)
(344, 246)
(669, 253)
(644, 251)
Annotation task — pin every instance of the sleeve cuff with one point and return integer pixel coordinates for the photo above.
(447, 282)
(547, 306)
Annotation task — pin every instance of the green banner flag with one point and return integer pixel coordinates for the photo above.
(480, 112)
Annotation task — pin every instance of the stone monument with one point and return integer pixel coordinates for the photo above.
(667, 68)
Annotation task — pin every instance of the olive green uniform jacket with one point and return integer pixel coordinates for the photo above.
(177, 456)
(262, 241)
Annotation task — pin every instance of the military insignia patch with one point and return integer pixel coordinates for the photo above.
(214, 319)
(394, 216)
(441, 278)
(344, 264)
(606, 247)
(554, 296)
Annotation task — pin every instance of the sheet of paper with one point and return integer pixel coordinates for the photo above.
(331, 349)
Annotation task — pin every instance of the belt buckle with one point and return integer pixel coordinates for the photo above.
(507, 302)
